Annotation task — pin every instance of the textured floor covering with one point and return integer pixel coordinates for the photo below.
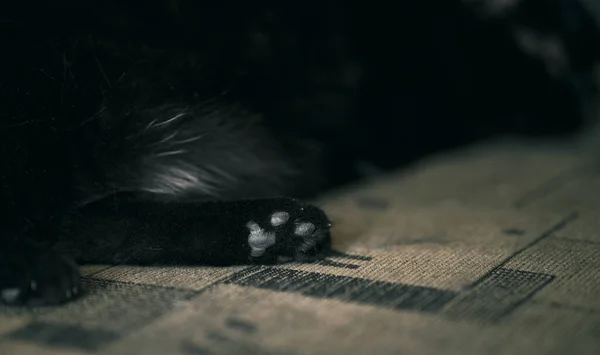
(493, 249)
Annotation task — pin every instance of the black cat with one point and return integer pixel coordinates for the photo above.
(162, 145)
(173, 132)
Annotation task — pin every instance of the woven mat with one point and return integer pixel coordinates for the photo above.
(493, 249)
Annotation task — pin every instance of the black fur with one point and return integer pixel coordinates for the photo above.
(167, 132)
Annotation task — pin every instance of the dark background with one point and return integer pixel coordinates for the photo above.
(396, 80)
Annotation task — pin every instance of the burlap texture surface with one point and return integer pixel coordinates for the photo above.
(493, 249)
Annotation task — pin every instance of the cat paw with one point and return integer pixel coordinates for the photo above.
(288, 230)
(40, 279)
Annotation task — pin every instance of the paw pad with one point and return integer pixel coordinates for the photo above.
(259, 239)
(279, 218)
(10, 295)
(304, 229)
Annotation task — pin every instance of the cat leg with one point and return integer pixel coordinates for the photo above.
(262, 231)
